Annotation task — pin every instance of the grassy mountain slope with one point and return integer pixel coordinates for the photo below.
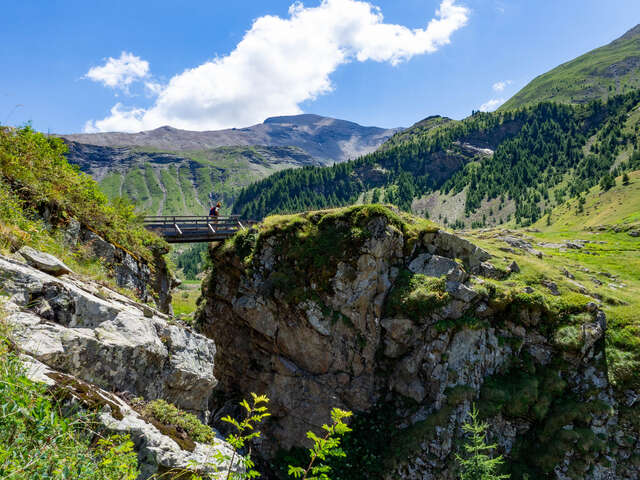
(606, 71)
(40, 191)
(605, 268)
(182, 183)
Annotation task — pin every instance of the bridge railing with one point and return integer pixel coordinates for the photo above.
(186, 225)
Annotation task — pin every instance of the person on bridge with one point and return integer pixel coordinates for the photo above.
(215, 211)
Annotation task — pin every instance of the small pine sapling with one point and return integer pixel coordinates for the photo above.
(323, 447)
(478, 465)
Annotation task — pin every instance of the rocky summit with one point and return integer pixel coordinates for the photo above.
(367, 308)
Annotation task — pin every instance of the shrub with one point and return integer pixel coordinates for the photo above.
(168, 414)
(416, 295)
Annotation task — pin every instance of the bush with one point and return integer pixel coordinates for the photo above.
(168, 414)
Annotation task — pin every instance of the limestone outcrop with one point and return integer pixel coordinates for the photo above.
(363, 307)
(148, 281)
(104, 338)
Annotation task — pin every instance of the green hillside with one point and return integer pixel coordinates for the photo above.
(601, 73)
(502, 166)
(603, 261)
(185, 182)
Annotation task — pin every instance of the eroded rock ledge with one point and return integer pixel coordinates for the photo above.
(364, 306)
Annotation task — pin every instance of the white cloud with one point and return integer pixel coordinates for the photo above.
(281, 62)
(491, 105)
(120, 72)
(500, 86)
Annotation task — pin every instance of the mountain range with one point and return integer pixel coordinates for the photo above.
(171, 171)
(566, 131)
(439, 167)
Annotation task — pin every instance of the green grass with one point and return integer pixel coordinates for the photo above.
(111, 185)
(174, 204)
(600, 73)
(157, 195)
(184, 301)
(135, 188)
(35, 176)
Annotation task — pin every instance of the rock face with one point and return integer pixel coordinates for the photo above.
(358, 308)
(104, 338)
(147, 281)
(99, 347)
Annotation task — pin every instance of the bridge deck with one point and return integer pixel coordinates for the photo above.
(192, 229)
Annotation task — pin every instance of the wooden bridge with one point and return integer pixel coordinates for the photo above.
(175, 229)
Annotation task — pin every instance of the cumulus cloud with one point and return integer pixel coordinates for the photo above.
(120, 73)
(491, 105)
(281, 62)
(500, 86)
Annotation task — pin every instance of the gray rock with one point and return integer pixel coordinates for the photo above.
(634, 233)
(107, 341)
(437, 266)
(592, 306)
(460, 291)
(568, 274)
(71, 233)
(44, 261)
(514, 267)
(487, 269)
(551, 286)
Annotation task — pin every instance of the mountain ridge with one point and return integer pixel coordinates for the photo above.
(600, 73)
(327, 139)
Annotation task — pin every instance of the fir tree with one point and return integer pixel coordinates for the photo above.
(479, 465)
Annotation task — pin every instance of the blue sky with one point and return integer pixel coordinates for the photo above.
(384, 74)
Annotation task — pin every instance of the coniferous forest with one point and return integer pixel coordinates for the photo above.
(535, 149)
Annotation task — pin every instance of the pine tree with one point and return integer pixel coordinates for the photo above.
(625, 179)
(479, 465)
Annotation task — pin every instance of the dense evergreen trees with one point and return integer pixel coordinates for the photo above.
(541, 156)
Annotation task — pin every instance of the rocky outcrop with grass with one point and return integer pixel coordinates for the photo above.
(109, 353)
(367, 309)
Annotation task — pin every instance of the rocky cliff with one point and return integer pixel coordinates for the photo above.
(365, 308)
